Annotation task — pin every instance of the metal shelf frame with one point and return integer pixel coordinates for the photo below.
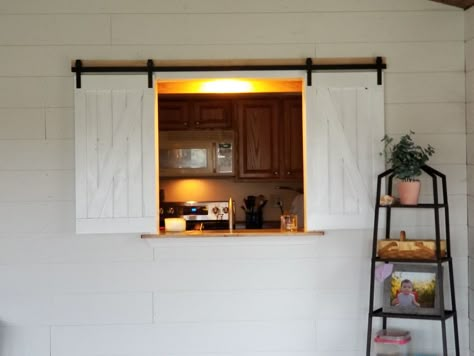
(437, 206)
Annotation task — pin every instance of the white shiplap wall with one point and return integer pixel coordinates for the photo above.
(68, 295)
(469, 37)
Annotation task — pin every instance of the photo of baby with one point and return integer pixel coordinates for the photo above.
(412, 290)
(406, 297)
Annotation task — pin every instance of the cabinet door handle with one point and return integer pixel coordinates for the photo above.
(288, 173)
(185, 123)
(275, 173)
(197, 123)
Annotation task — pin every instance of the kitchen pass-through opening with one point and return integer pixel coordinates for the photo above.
(222, 136)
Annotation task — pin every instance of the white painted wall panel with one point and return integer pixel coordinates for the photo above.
(59, 123)
(257, 248)
(437, 118)
(22, 124)
(470, 148)
(29, 92)
(48, 29)
(457, 210)
(76, 278)
(471, 301)
(21, 92)
(60, 249)
(220, 6)
(455, 179)
(469, 53)
(292, 27)
(124, 308)
(470, 210)
(76, 309)
(469, 116)
(470, 86)
(24, 340)
(469, 35)
(238, 305)
(36, 217)
(51, 60)
(330, 331)
(470, 177)
(187, 338)
(469, 25)
(424, 56)
(424, 87)
(450, 148)
(256, 274)
(194, 252)
(35, 154)
(30, 185)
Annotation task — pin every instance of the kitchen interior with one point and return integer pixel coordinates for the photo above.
(230, 153)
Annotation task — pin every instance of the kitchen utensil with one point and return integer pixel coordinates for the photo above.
(280, 204)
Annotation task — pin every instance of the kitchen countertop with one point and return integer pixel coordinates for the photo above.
(237, 237)
(233, 233)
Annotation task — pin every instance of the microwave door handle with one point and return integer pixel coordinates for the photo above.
(214, 157)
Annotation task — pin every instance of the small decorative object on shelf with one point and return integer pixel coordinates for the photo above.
(387, 200)
(412, 270)
(409, 249)
(406, 159)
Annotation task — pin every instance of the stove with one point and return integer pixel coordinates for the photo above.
(205, 215)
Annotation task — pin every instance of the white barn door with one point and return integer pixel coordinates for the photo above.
(345, 123)
(115, 160)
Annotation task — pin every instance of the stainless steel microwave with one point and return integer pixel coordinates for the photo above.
(196, 153)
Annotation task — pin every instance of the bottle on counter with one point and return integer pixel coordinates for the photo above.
(231, 208)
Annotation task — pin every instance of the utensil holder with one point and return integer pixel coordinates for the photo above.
(253, 220)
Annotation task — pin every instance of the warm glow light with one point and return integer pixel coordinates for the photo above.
(194, 188)
(229, 85)
(226, 86)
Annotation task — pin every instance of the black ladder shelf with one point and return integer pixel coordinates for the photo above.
(439, 261)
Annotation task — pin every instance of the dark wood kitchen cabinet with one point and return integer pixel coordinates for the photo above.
(173, 114)
(270, 138)
(258, 134)
(292, 138)
(194, 112)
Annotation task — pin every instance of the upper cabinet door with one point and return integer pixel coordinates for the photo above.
(212, 114)
(292, 139)
(173, 114)
(259, 138)
(343, 143)
(115, 162)
(187, 112)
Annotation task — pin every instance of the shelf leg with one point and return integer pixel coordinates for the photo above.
(453, 305)
(369, 336)
(456, 337)
(443, 332)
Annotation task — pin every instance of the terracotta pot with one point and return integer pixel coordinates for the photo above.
(409, 192)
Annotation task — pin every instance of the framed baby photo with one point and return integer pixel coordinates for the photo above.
(412, 289)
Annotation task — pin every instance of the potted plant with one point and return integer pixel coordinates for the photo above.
(406, 159)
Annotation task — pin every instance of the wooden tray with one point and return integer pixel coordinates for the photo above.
(409, 249)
